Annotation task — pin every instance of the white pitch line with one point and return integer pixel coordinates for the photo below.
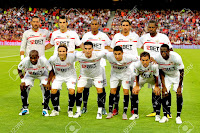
(10, 56)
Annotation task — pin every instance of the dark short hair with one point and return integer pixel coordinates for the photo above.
(63, 17)
(35, 17)
(153, 21)
(125, 20)
(63, 45)
(88, 43)
(118, 48)
(165, 46)
(144, 54)
(33, 51)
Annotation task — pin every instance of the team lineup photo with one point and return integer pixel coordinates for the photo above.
(99, 70)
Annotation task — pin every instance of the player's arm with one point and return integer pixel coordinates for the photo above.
(23, 45)
(136, 89)
(162, 78)
(180, 81)
(156, 89)
(21, 75)
(48, 46)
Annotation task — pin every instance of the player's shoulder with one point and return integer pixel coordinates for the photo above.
(71, 55)
(134, 34)
(154, 66)
(28, 31)
(72, 32)
(53, 58)
(117, 35)
(162, 35)
(43, 58)
(175, 55)
(137, 64)
(145, 35)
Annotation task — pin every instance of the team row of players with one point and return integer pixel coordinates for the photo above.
(127, 43)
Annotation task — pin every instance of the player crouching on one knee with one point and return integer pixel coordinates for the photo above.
(36, 68)
(146, 72)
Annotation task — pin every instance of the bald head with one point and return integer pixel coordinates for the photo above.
(34, 56)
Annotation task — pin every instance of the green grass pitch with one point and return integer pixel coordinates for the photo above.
(10, 105)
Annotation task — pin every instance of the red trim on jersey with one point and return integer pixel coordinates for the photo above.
(32, 37)
(33, 68)
(60, 38)
(165, 64)
(124, 41)
(90, 62)
(153, 42)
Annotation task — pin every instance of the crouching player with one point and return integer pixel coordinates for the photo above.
(171, 71)
(64, 71)
(36, 68)
(120, 73)
(146, 72)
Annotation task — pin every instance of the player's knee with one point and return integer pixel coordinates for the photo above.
(99, 90)
(71, 91)
(80, 90)
(113, 91)
(126, 92)
(54, 91)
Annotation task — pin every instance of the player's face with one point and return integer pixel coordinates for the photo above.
(35, 23)
(34, 58)
(62, 24)
(88, 50)
(62, 52)
(145, 61)
(94, 25)
(125, 27)
(164, 53)
(118, 55)
(152, 28)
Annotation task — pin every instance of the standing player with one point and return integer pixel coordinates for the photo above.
(146, 72)
(151, 43)
(90, 69)
(36, 68)
(100, 42)
(129, 42)
(171, 73)
(64, 71)
(34, 39)
(66, 36)
(63, 35)
(120, 72)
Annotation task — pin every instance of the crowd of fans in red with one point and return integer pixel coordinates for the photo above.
(181, 26)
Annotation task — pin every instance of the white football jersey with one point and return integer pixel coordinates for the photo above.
(70, 38)
(100, 40)
(128, 43)
(121, 68)
(35, 70)
(32, 40)
(148, 72)
(90, 67)
(63, 68)
(171, 66)
(152, 44)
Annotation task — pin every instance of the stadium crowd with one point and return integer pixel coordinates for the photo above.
(180, 26)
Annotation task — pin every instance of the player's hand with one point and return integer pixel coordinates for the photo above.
(153, 60)
(22, 86)
(157, 90)
(179, 91)
(136, 90)
(47, 86)
(164, 92)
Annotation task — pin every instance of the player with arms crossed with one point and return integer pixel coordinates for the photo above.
(90, 69)
(100, 42)
(171, 73)
(120, 72)
(34, 39)
(151, 43)
(146, 72)
(64, 71)
(36, 68)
